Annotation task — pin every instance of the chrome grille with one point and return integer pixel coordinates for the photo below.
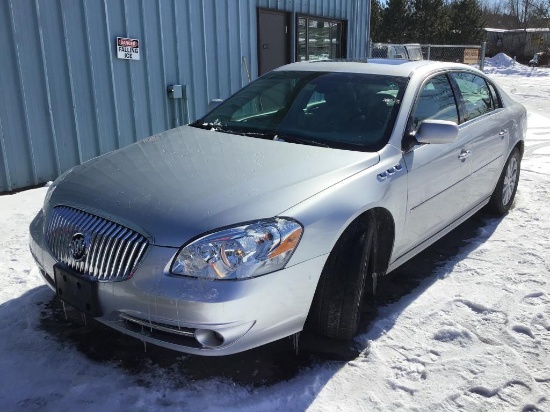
(110, 252)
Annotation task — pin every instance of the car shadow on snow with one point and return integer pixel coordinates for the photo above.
(278, 361)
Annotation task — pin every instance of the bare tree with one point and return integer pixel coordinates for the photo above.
(542, 12)
(516, 14)
(518, 9)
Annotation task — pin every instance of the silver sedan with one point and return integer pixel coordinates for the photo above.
(280, 208)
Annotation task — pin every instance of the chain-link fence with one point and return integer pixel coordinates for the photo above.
(468, 54)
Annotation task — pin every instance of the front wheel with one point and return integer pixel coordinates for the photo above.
(336, 306)
(505, 191)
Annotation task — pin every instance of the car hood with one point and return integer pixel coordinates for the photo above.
(181, 183)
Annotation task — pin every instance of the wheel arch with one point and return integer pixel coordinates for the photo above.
(359, 256)
(520, 145)
(384, 237)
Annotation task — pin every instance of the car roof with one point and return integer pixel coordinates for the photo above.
(390, 67)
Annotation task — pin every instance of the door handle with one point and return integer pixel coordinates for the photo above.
(464, 154)
(503, 132)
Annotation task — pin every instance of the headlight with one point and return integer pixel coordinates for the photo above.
(240, 252)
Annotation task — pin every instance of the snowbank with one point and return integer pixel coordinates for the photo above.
(505, 65)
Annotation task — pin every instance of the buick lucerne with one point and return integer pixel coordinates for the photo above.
(280, 208)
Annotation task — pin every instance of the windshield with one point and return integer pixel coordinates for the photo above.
(340, 110)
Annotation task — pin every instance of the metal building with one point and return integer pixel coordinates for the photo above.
(79, 78)
(518, 43)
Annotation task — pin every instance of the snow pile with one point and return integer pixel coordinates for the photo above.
(473, 335)
(504, 64)
(501, 60)
(528, 85)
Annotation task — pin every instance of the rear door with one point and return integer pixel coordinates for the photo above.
(485, 122)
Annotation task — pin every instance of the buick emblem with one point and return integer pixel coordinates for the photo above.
(77, 247)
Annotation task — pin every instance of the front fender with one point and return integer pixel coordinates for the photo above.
(327, 214)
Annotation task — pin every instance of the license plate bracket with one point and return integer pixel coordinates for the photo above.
(77, 291)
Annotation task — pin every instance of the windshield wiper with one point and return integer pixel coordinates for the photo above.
(258, 133)
(246, 132)
(300, 140)
(206, 126)
(243, 131)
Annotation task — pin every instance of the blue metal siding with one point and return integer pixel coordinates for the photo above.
(56, 74)
(65, 97)
(32, 90)
(15, 135)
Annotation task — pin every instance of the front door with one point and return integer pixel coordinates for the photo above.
(273, 40)
(437, 173)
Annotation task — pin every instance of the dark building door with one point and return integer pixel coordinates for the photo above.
(273, 36)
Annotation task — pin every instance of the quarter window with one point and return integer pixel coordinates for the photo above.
(476, 95)
(436, 101)
(496, 99)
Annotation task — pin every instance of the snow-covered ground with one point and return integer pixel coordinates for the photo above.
(473, 335)
(528, 85)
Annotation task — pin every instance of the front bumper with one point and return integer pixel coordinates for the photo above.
(198, 316)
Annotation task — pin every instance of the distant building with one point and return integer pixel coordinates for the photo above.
(81, 78)
(519, 43)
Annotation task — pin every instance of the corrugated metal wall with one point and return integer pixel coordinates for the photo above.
(65, 97)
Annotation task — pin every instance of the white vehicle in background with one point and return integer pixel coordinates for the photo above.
(414, 51)
(411, 51)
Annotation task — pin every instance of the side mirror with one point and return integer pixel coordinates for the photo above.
(437, 132)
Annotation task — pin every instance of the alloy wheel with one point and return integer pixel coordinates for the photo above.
(510, 180)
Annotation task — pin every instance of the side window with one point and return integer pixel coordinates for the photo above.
(435, 101)
(476, 95)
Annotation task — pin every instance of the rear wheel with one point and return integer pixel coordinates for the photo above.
(336, 307)
(505, 191)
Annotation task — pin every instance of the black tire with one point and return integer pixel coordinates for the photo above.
(505, 191)
(336, 308)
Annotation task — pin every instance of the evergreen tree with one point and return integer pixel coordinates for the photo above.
(376, 16)
(430, 21)
(396, 22)
(467, 22)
